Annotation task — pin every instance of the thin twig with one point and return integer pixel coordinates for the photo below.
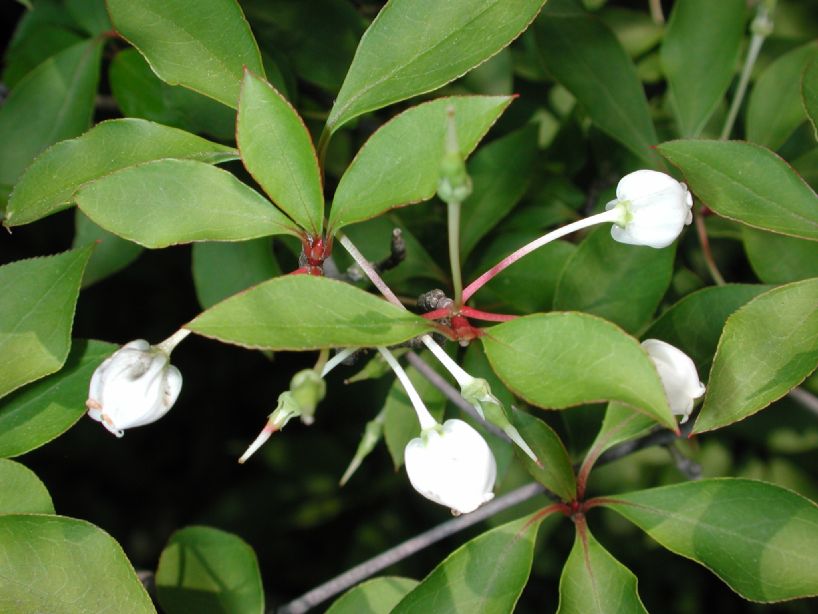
(451, 393)
(656, 12)
(409, 547)
(704, 241)
(806, 399)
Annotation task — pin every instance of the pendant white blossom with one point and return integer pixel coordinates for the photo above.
(678, 374)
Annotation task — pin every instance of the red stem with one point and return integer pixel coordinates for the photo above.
(470, 312)
(437, 314)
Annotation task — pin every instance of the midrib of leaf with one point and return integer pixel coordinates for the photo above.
(412, 59)
(582, 534)
(742, 187)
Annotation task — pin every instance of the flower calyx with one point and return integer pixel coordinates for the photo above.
(478, 393)
(134, 386)
(308, 389)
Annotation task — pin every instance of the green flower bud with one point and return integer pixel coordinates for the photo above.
(454, 185)
(308, 388)
(372, 435)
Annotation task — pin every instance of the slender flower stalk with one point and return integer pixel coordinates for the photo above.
(169, 344)
(453, 210)
(337, 360)
(425, 418)
(600, 218)
(761, 28)
(369, 270)
(461, 377)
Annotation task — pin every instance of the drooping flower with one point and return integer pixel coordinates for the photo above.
(678, 375)
(135, 386)
(653, 209)
(452, 465)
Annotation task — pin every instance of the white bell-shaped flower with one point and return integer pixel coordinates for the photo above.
(678, 374)
(452, 465)
(653, 207)
(136, 385)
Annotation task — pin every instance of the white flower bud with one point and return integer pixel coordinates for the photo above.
(136, 385)
(452, 465)
(654, 208)
(678, 374)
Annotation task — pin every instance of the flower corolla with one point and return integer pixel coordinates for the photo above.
(678, 375)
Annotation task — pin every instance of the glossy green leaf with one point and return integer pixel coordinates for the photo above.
(276, 148)
(556, 473)
(747, 183)
(323, 56)
(166, 202)
(775, 109)
(204, 46)
(21, 491)
(594, 582)
(62, 90)
(90, 15)
(768, 347)
(36, 314)
(584, 56)
(51, 182)
(111, 253)
(377, 596)
(694, 324)
(46, 409)
(488, 573)
(396, 59)
(400, 420)
(529, 284)
(223, 269)
(557, 360)
(140, 93)
(809, 93)
(29, 51)
(700, 54)
(621, 423)
(208, 571)
(500, 172)
(93, 573)
(762, 540)
(302, 312)
(777, 259)
(376, 179)
(621, 283)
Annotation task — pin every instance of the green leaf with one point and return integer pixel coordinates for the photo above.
(111, 254)
(529, 284)
(694, 324)
(762, 540)
(700, 53)
(208, 571)
(556, 473)
(621, 423)
(500, 173)
(33, 416)
(21, 491)
(377, 596)
(92, 571)
(768, 347)
(36, 314)
(90, 15)
(140, 93)
(276, 148)
(396, 59)
(166, 202)
(775, 109)
(376, 179)
(29, 51)
(302, 312)
(557, 360)
(621, 283)
(62, 90)
(318, 37)
(809, 93)
(223, 269)
(488, 573)
(400, 420)
(50, 183)
(203, 46)
(779, 260)
(583, 55)
(747, 183)
(593, 581)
